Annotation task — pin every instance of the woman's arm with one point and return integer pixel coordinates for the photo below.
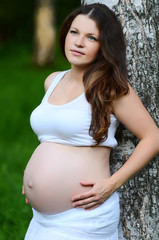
(131, 112)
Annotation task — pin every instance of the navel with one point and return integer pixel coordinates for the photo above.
(30, 184)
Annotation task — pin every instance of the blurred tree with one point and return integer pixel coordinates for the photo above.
(17, 20)
(44, 32)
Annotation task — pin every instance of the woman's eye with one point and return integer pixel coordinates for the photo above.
(92, 38)
(73, 32)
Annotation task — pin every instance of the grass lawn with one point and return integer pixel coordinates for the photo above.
(20, 92)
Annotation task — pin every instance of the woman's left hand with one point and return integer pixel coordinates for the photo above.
(99, 193)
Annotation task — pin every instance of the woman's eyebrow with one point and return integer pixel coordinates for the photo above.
(89, 33)
(75, 28)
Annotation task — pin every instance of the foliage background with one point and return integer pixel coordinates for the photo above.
(20, 92)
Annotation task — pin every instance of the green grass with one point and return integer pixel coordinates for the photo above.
(21, 91)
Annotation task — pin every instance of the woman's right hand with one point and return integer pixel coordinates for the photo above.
(23, 193)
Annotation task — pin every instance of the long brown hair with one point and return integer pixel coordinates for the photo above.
(106, 78)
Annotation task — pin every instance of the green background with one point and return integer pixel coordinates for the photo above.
(21, 90)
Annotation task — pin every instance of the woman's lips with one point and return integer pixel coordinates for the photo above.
(77, 53)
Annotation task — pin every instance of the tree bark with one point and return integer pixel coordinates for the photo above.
(139, 197)
(44, 33)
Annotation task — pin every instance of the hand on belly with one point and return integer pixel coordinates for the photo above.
(100, 191)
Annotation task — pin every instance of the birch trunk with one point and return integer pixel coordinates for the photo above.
(140, 196)
(44, 33)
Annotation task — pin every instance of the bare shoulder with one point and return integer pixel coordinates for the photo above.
(130, 110)
(129, 100)
(49, 80)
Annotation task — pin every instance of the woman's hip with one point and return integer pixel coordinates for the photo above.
(99, 223)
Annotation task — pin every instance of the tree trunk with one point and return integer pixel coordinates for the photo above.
(139, 197)
(44, 33)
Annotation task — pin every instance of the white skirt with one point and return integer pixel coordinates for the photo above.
(100, 223)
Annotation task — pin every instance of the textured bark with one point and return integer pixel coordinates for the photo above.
(140, 196)
(44, 33)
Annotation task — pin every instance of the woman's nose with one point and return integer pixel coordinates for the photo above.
(79, 42)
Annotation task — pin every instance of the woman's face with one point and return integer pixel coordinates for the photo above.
(82, 41)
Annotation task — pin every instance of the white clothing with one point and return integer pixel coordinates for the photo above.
(100, 223)
(69, 123)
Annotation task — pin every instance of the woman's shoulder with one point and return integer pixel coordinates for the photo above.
(50, 79)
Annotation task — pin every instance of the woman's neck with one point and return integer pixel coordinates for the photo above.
(76, 74)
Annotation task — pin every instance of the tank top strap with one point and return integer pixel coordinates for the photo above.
(54, 84)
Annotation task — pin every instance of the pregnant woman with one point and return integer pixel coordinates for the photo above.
(67, 181)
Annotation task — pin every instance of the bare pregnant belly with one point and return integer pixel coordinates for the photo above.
(53, 174)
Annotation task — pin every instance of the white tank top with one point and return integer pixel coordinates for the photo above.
(69, 123)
